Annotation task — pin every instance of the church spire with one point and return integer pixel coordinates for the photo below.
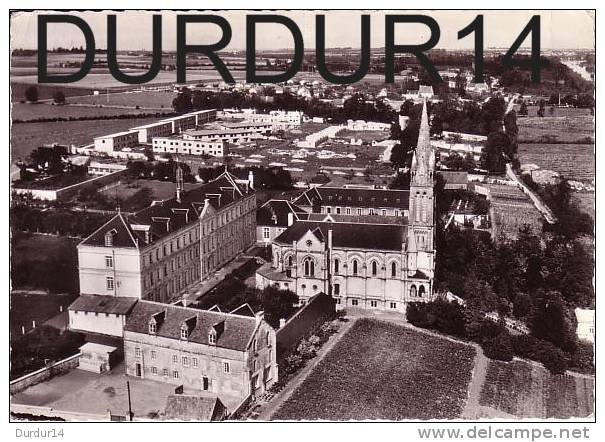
(422, 165)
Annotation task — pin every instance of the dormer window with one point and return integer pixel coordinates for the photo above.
(152, 328)
(109, 238)
(184, 332)
(212, 337)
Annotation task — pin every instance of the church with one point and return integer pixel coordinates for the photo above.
(381, 256)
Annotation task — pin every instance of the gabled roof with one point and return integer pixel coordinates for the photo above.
(167, 216)
(351, 197)
(275, 213)
(123, 235)
(237, 330)
(103, 304)
(354, 236)
(199, 407)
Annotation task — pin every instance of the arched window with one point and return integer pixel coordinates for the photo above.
(374, 268)
(393, 270)
(355, 267)
(336, 266)
(413, 290)
(421, 291)
(309, 267)
(290, 261)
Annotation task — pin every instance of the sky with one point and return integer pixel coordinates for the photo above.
(559, 29)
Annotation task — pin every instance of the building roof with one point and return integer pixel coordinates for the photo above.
(454, 177)
(340, 196)
(162, 218)
(93, 347)
(344, 235)
(275, 213)
(232, 331)
(103, 304)
(199, 407)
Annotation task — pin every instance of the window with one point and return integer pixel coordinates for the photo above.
(194, 362)
(152, 328)
(109, 282)
(185, 361)
(175, 359)
(175, 374)
(268, 339)
(109, 262)
(348, 210)
(413, 290)
(309, 267)
(338, 210)
(328, 209)
(374, 304)
(393, 270)
(266, 232)
(336, 266)
(184, 333)
(137, 352)
(226, 367)
(354, 302)
(421, 291)
(212, 338)
(153, 354)
(109, 239)
(359, 211)
(371, 211)
(165, 372)
(154, 370)
(384, 212)
(393, 305)
(336, 289)
(290, 261)
(374, 268)
(355, 267)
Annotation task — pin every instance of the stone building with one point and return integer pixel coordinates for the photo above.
(378, 264)
(228, 354)
(159, 252)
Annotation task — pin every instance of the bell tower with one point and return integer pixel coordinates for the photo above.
(421, 230)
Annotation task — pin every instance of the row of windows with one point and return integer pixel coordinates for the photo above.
(413, 290)
(186, 361)
(359, 211)
(97, 314)
(309, 267)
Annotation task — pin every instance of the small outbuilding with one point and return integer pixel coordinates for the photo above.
(98, 358)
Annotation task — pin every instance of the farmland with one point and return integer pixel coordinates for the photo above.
(38, 111)
(529, 391)
(573, 161)
(143, 99)
(385, 371)
(28, 136)
(513, 209)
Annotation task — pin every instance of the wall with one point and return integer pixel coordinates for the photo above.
(104, 323)
(44, 374)
(309, 318)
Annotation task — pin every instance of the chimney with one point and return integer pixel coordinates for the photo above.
(330, 240)
(251, 179)
(282, 322)
(258, 316)
(185, 299)
(290, 218)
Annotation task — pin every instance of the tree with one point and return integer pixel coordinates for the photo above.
(183, 101)
(59, 97)
(31, 94)
(277, 304)
(549, 321)
(492, 157)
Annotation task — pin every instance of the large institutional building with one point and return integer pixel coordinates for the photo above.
(164, 249)
(383, 259)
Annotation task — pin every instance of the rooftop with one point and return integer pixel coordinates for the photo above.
(340, 196)
(103, 304)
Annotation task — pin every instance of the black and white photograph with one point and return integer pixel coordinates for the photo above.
(311, 215)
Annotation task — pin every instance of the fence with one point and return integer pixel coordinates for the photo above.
(44, 374)
(309, 318)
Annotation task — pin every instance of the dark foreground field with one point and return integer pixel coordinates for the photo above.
(384, 371)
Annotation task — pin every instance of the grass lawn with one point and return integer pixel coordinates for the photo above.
(529, 391)
(384, 371)
(144, 99)
(573, 161)
(28, 111)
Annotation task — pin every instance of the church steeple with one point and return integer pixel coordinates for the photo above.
(423, 161)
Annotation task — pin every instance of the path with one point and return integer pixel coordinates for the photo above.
(472, 410)
(269, 408)
(542, 208)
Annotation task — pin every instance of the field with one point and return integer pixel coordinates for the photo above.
(26, 137)
(45, 91)
(144, 99)
(529, 391)
(532, 111)
(573, 161)
(367, 136)
(384, 371)
(512, 209)
(160, 190)
(28, 111)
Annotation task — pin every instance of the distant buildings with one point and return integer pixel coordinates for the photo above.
(279, 120)
(160, 251)
(230, 354)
